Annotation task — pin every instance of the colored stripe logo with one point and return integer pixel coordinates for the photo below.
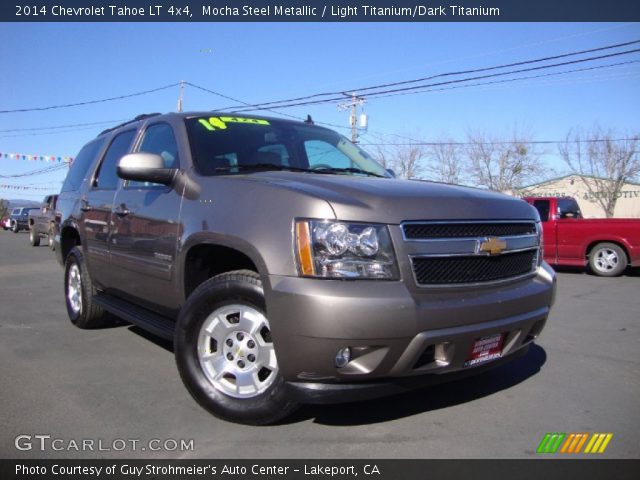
(574, 442)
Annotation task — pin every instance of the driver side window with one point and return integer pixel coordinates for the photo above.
(158, 139)
(543, 209)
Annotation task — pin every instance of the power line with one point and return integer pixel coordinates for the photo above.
(41, 171)
(239, 101)
(33, 129)
(441, 75)
(485, 53)
(90, 102)
(449, 82)
(51, 132)
(511, 142)
(508, 65)
(494, 82)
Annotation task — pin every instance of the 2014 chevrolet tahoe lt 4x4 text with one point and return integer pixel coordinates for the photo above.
(288, 266)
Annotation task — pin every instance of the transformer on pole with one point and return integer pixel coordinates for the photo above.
(353, 118)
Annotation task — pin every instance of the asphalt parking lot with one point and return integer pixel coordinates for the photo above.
(120, 383)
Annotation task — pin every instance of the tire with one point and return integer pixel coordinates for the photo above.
(15, 228)
(232, 371)
(607, 260)
(34, 238)
(79, 291)
(50, 237)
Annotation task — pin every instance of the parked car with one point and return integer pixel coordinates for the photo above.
(5, 222)
(606, 245)
(41, 222)
(19, 219)
(287, 266)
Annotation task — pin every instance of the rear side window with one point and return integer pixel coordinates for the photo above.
(107, 178)
(81, 164)
(568, 208)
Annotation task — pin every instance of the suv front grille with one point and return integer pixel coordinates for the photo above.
(456, 270)
(423, 231)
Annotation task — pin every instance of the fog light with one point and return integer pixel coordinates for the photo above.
(343, 357)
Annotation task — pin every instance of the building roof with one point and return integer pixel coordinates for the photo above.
(551, 180)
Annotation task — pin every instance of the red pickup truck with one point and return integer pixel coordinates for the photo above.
(608, 245)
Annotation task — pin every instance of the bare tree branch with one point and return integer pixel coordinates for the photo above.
(445, 162)
(502, 165)
(405, 160)
(603, 165)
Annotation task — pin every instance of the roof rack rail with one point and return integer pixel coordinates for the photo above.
(138, 118)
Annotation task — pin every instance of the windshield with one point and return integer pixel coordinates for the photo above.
(223, 145)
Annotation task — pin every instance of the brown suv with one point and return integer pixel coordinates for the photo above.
(288, 266)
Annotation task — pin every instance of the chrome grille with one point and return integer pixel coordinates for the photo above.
(470, 252)
(458, 270)
(426, 230)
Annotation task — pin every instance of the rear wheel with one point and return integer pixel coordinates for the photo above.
(607, 260)
(225, 353)
(34, 238)
(79, 291)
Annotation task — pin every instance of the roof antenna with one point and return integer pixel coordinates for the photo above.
(309, 120)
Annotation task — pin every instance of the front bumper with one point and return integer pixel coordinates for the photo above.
(328, 393)
(395, 332)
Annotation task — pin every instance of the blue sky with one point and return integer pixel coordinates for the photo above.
(49, 64)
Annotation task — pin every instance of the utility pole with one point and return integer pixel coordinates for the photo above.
(353, 119)
(179, 109)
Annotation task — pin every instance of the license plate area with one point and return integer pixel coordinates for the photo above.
(485, 349)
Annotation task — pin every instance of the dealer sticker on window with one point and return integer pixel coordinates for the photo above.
(485, 349)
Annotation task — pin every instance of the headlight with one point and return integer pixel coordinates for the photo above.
(344, 250)
(540, 243)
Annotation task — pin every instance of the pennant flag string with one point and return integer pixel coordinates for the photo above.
(35, 158)
(22, 187)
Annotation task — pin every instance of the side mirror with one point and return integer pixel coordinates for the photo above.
(391, 172)
(145, 167)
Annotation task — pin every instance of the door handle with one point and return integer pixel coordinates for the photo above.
(123, 211)
(84, 206)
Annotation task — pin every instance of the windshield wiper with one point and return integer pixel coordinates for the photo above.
(261, 166)
(348, 170)
(273, 166)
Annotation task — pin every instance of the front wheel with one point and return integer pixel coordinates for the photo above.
(34, 238)
(15, 228)
(607, 260)
(225, 353)
(50, 236)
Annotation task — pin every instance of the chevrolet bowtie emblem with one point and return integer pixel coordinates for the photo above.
(492, 246)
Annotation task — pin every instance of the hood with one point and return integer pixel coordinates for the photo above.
(386, 200)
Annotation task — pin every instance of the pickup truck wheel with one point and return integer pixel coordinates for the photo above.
(225, 353)
(607, 260)
(34, 238)
(15, 228)
(52, 246)
(79, 292)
